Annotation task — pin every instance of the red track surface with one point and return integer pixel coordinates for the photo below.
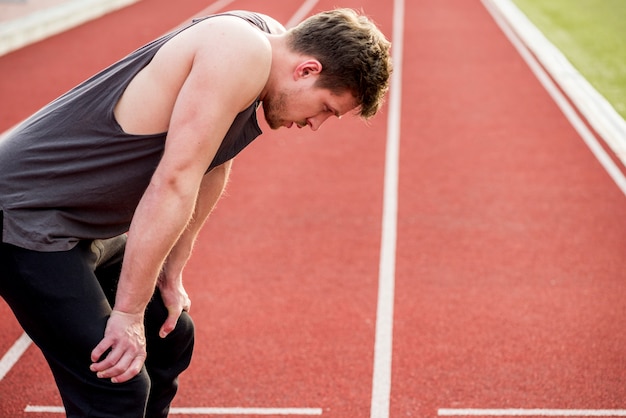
(511, 237)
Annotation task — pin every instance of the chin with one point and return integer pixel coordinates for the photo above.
(273, 124)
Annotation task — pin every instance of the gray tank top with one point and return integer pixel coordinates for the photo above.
(70, 172)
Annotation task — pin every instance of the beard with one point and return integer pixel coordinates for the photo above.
(273, 109)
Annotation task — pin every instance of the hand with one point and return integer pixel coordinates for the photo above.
(124, 336)
(176, 301)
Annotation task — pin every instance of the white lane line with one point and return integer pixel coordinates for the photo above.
(301, 13)
(383, 346)
(590, 139)
(587, 136)
(247, 411)
(533, 412)
(596, 109)
(204, 411)
(13, 355)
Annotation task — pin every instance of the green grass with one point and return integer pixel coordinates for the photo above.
(592, 35)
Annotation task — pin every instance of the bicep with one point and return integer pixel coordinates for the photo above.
(219, 86)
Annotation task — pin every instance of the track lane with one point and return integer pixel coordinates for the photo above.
(303, 213)
(511, 234)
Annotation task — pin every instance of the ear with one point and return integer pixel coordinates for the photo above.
(307, 68)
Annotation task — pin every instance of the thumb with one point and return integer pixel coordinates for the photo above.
(169, 324)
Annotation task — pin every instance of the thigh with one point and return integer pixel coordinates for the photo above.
(60, 304)
(55, 297)
(167, 357)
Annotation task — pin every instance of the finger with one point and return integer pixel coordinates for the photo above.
(131, 371)
(117, 368)
(97, 354)
(110, 360)
(128, 366)
(169, 324)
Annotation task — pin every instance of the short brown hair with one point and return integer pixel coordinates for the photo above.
(353, 52)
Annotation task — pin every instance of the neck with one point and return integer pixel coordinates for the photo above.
(280, 60)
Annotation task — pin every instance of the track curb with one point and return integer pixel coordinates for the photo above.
(41, 24)
(592, 105)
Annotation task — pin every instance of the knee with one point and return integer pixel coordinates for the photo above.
(184, 332)
(101, 397)
(138, 388)
(183, 337)
(176, 349)
(185, 326)
(131, 397)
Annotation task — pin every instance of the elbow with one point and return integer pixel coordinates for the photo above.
(174, 186)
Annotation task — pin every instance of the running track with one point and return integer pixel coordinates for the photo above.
(501, 262)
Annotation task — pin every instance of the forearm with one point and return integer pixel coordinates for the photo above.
(159, 220)
(211, 188)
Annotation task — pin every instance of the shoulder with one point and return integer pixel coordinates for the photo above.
(236, 45)
(231, 40)
(217, 33)
(220, 41)
(254, 19)
(226, 30)
(231, 57)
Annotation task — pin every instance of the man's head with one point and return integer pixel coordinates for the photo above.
(353, 53)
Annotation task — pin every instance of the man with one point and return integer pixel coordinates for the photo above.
(145, 147)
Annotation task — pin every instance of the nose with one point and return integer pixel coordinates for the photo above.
(318, 120)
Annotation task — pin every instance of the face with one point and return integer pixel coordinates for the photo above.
(305, 105)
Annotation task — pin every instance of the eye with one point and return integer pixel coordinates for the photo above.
(327, 109)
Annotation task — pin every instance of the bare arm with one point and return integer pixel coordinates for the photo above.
(170, 281)
(219, 68)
